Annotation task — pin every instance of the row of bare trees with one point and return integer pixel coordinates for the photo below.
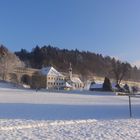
(120, 71)
(8, 62)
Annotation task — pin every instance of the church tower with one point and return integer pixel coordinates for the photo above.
(70, 71)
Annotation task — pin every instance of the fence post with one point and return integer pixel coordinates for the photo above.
(130, 111)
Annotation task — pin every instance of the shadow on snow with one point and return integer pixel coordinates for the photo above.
(65, 112)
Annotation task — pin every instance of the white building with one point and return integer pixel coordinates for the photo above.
(54, 79)
(74, 81)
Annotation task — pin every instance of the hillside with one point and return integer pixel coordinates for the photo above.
(83, 62)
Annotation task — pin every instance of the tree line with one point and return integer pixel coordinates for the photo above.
(84, 63)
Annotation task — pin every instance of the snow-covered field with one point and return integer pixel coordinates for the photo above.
(26, 114)
(124, 129)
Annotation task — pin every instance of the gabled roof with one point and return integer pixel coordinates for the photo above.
(50, 71)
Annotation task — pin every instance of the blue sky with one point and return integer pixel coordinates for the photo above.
(109, 27)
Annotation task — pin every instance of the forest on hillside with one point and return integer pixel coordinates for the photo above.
(84, 63)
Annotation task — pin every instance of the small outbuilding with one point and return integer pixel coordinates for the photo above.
(96, 87)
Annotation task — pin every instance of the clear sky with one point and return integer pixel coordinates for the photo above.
(110, 27)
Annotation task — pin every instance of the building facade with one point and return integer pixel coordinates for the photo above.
(54, 79)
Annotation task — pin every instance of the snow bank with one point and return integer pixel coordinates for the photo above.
(4, 85)
(23, 124)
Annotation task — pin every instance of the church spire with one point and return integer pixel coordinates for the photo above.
(70, 71)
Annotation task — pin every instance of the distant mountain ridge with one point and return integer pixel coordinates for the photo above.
(84, 63)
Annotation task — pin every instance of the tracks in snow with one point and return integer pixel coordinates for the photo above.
(45, 124)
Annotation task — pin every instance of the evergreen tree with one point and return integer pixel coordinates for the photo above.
(107, 85)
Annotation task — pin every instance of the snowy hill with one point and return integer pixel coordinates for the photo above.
(5, 85)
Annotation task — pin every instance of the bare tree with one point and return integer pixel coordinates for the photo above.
(8, 62)
(120, 71)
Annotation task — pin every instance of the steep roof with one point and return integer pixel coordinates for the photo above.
(50, 71)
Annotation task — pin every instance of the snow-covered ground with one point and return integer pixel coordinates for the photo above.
(26, 114)
(124, 129)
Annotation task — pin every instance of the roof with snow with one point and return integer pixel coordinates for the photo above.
(96, 86)
(50, 71)
(76, 80)
(68, 85)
